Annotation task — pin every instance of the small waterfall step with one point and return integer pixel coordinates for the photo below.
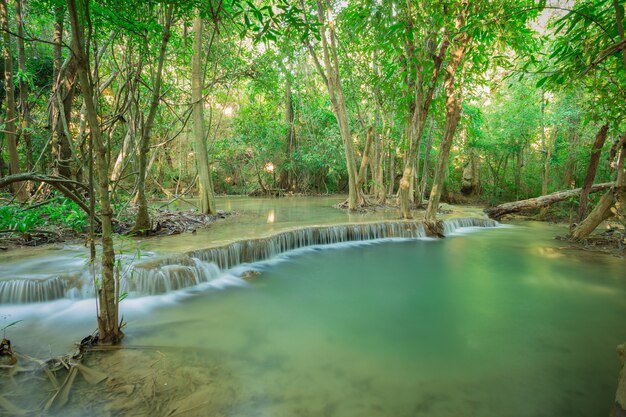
(161, 275)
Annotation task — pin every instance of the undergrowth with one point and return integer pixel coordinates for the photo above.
(57, 213)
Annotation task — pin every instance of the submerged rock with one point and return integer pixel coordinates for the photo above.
(250, 275)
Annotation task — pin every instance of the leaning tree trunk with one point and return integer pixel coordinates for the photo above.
(616, 196)
(601, 212)
(19, 190)
(594, 159)
(142, 223)
(108, 294)
(207, 196)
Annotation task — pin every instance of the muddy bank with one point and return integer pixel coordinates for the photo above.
(164, 223)
(129, 381)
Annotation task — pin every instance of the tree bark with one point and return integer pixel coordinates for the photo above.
(207, 196)
(108, 324)
(594, 159)
(541, 201)
(142, 222)
(19, 190)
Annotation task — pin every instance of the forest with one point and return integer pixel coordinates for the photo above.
(115, 111)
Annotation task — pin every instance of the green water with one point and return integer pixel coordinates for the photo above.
(497, 322)
(494, 323)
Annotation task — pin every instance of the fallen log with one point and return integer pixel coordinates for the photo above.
(541, 201)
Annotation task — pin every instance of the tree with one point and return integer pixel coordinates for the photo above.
(590, 41)
(108, 294)
(453, 113)
(142, 222)
(330, 74)
(10, 130)
(207, 198)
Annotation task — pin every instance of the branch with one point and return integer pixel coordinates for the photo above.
(33, 176)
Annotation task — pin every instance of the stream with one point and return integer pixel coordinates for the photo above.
(490, 321)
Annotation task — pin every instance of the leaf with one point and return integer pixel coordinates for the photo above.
(542, 81)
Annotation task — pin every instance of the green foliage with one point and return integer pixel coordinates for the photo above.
(59, 212)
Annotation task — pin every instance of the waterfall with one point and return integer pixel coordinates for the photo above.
(184, 272)
(164, 274)
(21, 291)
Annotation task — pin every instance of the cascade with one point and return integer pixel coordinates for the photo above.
(164, 274)
(21, 291)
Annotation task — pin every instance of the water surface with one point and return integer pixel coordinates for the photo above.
(497, 322)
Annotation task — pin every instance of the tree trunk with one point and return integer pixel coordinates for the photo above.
(207, 196)
(544, 148)
(616, 196)
(61, 100)
(601, 212)
(335, 90)
(594, 159)
(142, 223)
(365, 159)
(541, 201)
(453, 114)
(108, 294)
(116, 172)
(19, 190)
(23, 104)
(379, 182)
(569, 179)
(471, 174)
(286, 176)
(519, 164)
(392, 171)
(424, 179)
(420, 108)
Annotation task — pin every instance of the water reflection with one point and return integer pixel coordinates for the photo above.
(271, 216)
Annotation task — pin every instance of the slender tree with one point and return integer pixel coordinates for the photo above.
(453, 91)
(108, 293)
(142, 223)
(207, 196)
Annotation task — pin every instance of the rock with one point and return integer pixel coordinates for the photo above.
(250, 275)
